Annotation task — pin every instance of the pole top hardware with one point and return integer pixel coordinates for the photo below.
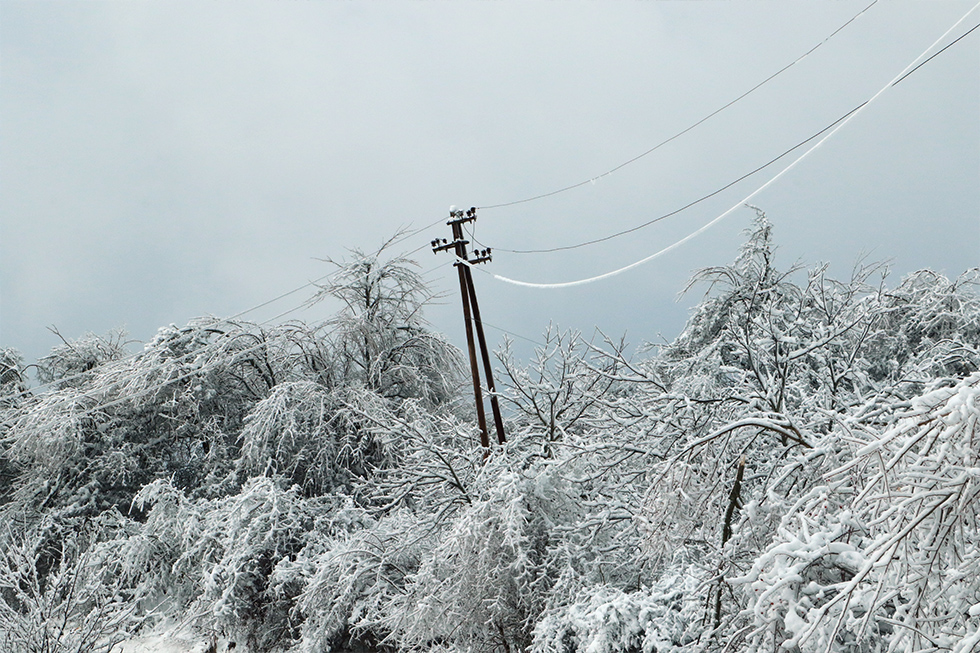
(458, 216)
(442, 245)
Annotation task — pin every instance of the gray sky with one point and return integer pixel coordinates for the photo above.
(164, 160)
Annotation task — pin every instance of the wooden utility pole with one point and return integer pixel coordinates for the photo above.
(471, 316)
(484, 350)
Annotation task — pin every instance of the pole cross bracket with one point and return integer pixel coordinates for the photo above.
(437, 247)
(481, 256)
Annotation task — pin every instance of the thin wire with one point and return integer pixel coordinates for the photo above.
(194, 354)
(408, 234)
(419, 248)
(282, 296)
(747, 199)
(394, 241)
(198, 371)
(133, 355)
(62, 380)
(675, 211)
(511, 333)
(305, 304)
(433, 269)
(936, 54)
(656, 147)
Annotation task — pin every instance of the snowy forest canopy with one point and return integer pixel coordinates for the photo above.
(798, 471)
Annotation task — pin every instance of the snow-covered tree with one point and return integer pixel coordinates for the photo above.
(209, 457)
(795, 472)
(884, 554)
(381, 338)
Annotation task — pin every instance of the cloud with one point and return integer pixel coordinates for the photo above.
(164, 160)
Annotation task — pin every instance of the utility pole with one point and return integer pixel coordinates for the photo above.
(471, 315)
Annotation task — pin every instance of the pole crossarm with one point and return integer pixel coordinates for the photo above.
(461, 217)
(443, 245)
(481, 256)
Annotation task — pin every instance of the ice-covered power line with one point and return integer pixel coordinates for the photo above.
(675, 211)
(915, 65)
(592, 180)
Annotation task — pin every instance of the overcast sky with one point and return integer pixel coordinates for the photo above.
(165, 160)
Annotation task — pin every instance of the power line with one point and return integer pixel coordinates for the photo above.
(91, 395)
(840, 123)
(511, 333)
(178, 360)
(195, 354)
(395, 240)
(675, 211)
(949, 45)
(915, 65)
(434, 268)
(282, 296)
(134, 355)
(656, 147)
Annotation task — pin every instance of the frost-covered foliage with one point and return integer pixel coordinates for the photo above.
(284, 434)
(67, 364)
(212, 455)
(53, 598)
(607, 620)
(380, 336)
(13, 376)
(215, 557)
(886, 554)
(796, 472)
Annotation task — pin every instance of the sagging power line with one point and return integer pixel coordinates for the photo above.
(837, 126)
(681, 209)
(592, 180)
